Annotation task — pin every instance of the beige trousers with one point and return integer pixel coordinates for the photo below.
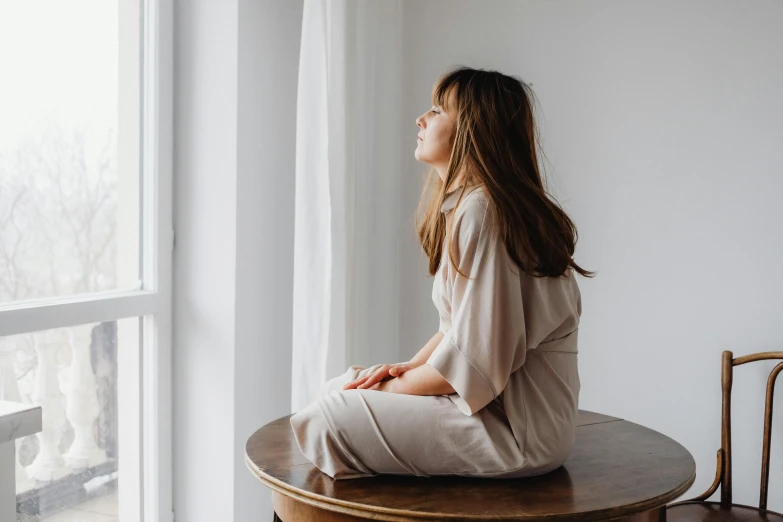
(361, 433)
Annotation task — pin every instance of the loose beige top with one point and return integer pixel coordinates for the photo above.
(508, 336)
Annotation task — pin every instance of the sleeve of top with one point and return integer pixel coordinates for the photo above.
(484, 340)
(444, 324)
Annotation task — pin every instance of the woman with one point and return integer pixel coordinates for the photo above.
(495, 392)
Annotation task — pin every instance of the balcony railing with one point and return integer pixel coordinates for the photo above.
(72, 374)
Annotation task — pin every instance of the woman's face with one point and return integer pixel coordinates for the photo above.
(435, 139)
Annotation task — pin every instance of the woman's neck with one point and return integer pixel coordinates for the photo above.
(457, 183)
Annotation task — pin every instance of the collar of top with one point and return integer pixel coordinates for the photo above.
(450, 201)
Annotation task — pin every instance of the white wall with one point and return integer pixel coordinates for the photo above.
(204, 292)
(661, 125)
(269, 35)
(235, 105)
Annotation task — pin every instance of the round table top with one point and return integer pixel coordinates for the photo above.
(617, 468)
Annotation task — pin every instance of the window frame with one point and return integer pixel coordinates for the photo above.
(153, 303)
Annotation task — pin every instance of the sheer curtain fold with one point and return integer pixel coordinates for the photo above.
(339, 221)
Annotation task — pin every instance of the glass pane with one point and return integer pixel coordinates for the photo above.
(69, 148)
(85, 378)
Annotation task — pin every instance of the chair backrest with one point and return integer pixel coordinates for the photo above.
(723, 474)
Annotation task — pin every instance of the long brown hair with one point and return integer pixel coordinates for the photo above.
(495, 145)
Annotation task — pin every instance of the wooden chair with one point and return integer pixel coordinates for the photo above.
(699, 508)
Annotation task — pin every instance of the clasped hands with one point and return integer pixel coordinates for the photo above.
(382, 378)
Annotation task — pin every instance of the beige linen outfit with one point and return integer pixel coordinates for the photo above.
(509, 351)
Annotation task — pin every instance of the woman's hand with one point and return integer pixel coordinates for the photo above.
(382, 373)
(385, 386)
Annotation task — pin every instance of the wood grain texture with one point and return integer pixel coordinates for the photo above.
(617, 469)
(289, 510)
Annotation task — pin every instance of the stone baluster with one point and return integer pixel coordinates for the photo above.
(48, 464)
(9, 391)
(82, 401)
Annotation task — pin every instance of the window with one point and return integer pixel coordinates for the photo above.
(85, 253)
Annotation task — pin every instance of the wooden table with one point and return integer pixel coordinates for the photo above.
(618, 471)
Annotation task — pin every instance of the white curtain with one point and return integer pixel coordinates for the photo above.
(347, 211)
